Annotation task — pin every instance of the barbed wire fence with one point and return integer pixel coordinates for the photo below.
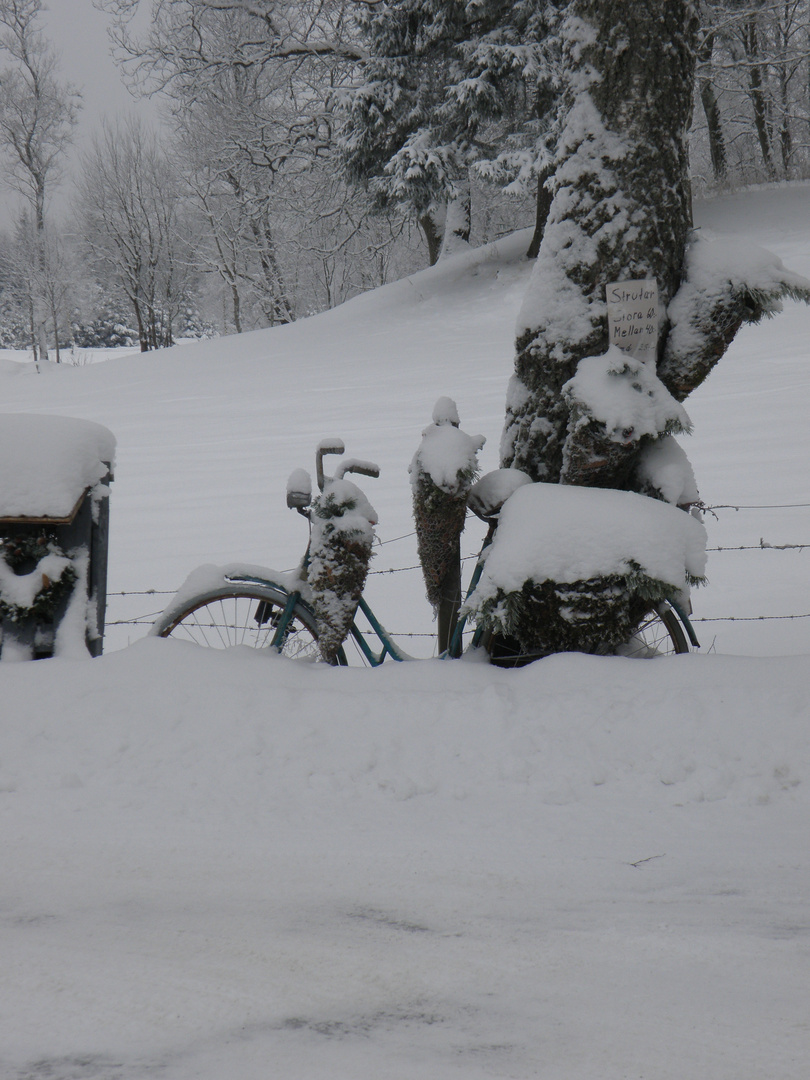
(147, 618)
(763, 545)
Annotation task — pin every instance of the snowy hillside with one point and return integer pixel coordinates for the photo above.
(237, 866)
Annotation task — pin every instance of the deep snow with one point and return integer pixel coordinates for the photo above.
(234, 865)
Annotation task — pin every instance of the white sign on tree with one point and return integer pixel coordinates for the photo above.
(632, 308)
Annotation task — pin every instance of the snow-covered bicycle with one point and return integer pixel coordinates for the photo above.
(240, 604)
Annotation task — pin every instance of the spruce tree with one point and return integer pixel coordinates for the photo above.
(447, 87)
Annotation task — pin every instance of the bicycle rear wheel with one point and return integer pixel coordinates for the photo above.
(660, 634)
(247, 615)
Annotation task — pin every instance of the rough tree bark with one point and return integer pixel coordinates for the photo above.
(757, 92)
(542, 208)
(621, 209)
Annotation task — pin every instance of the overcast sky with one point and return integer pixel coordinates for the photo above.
(78, 32)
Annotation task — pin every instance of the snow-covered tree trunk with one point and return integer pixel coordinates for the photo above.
(432, 225)
(457, 222)
(621, 207)
(580, 410)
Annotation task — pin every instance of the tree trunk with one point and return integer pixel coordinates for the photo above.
(236, 307)
(457, 223)
(621, 209)
(785, 137)
(543, 206)
(757, 92)
(711, 109)
(32, 327)
(433, 235)
(143, 336)
(39, 240)
(55, 320)
(275, 303)
(449, 603)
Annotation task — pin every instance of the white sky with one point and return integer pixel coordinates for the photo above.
(78, 31)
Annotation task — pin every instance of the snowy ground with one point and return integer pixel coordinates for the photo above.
(238, 866)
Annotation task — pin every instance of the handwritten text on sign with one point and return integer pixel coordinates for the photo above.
(632, 308)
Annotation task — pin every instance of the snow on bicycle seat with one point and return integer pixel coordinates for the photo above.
(486, 497)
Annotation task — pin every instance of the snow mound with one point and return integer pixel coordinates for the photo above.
(48, 462)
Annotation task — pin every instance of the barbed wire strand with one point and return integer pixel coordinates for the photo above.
(394, 539)
(756, 506)
(763, 545)
(748, 618)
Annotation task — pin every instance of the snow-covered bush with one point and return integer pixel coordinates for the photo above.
(614, 401)
(664, 471)
(343, 523)
(103, 332)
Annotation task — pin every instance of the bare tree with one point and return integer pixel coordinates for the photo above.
(188, 40)
(44, 264)
(37, 116)
(249, 89)
(131, 218)
(753, 73)
(235, 143)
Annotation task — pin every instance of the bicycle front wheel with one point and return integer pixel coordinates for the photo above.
(660, 634)
(247, 615)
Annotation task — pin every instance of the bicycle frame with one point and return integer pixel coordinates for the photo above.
(300, 502)
(687, 625)
(287, 622)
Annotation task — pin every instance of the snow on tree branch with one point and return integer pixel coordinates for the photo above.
(726, 284)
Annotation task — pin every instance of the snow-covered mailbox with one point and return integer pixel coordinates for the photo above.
(54, 513)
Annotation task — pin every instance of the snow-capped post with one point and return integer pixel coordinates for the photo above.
(343, 523)
(585, 405)
(442, 471)
(55, 473)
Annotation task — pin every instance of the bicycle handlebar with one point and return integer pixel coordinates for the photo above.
(326, 446)
(353, 465)
(365, 468)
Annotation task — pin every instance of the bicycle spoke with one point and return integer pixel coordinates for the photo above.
(660, 634)
(225, 621)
